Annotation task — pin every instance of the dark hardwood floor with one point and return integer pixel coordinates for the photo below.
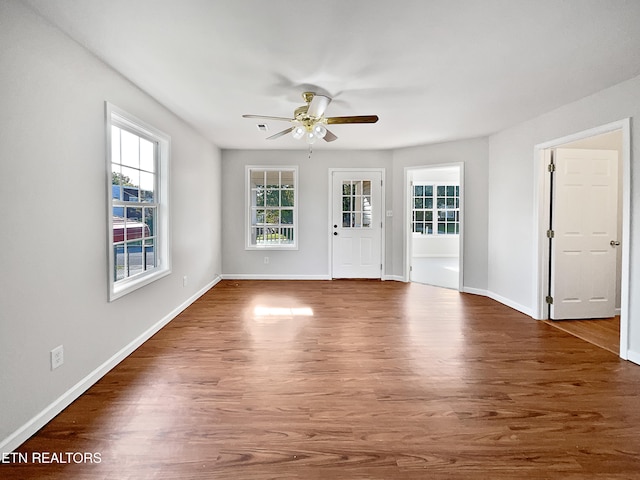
(352, 380)
(603, 332)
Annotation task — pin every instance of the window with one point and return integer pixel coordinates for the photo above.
(272, 212)
(137, 163)
(436, 209)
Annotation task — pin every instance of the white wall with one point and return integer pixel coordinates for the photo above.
(311, 260)
(511, 193)
(53, 239)
(474, 154)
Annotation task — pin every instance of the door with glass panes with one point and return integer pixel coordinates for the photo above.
(356, 229)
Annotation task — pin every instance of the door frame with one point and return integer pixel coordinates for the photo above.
(407, 219)
(382, 172)
(542, 199)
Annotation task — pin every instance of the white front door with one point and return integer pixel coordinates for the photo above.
(584, 221)
(356, 228)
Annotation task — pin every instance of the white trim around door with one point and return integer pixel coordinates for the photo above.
(542, 192)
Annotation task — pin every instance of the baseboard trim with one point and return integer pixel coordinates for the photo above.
(23, 433)
(500, 299)
(633, 357)
(253, 276)
(395, 278)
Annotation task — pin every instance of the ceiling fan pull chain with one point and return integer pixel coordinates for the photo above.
(310, 152)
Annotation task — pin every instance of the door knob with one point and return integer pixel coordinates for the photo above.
(614, 243)
(335, 226)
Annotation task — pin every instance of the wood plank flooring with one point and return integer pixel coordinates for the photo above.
(352, 380)
(603, 332)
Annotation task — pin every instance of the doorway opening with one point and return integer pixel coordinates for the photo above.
(433, 225)
(616, 137)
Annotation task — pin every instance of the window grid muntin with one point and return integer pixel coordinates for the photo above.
(273, 207)
(124, 200)
(435, 209)
(356, 204)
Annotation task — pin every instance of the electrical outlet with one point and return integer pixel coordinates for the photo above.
(266, 260)
(57, 357)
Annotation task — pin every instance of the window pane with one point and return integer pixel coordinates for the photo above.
(451, 228)
(441, 191)
(118, 262)
(441, 228)
(259, 216)
(133, 225)
(346, 204)
(428, 190)
(346, 188)
(130, 177)
(418, 203)
(273, 198)
(147, 155)
(150, 221)
(346, 220)
(441, 202)
(418, 215)
(134, 257)
(428, 216)
(286, 235)
(451, 190)
(286, 217)
(366, 187)
(149, 254)
(130, 147)
(116, 178)
(429, 228)
(286, 198)
(257, 178)
(451, 203)
(115, 144)
(147, 187)
(428, 202)
(418, 227)
(286, 179)
(257, 198)
(272, 217)
(273, 179)
(418, 191)
(118, 224)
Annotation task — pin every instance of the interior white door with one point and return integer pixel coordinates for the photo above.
(584, 219)
(356, 229)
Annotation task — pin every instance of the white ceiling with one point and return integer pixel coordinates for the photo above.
(432, 70)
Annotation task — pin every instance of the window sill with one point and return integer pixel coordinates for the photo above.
(129, 285)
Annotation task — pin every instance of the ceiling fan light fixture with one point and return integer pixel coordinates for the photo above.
(310, 137)
(298, 132)
(319, 130)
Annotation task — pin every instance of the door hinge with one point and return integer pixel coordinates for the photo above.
(550, 234)
(380, 266)
(411, 268)
(551, 167)
(549, 299)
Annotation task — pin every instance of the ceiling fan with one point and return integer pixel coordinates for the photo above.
(309, 120)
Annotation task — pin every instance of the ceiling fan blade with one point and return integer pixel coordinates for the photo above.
(318, 105)
(263, 117)
(280, 134)
(353, 119)
(330, 137)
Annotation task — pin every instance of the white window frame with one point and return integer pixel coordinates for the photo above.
(115, 116)
(249, 245)
(434, 209)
